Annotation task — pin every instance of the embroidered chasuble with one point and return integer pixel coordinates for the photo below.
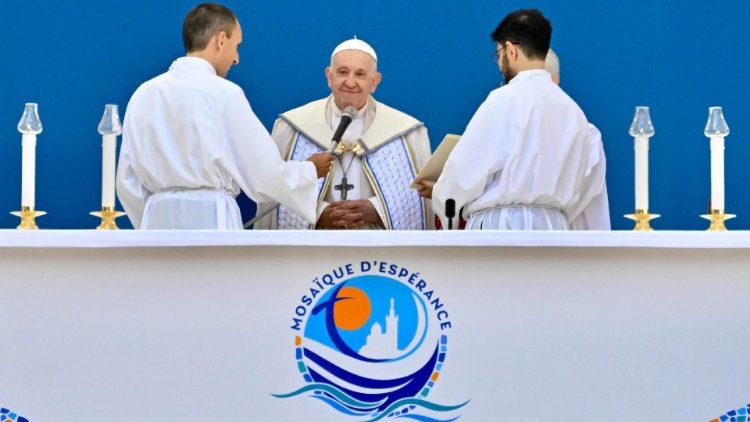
(397, 147)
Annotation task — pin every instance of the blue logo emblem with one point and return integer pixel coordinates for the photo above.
(7, 415)
(371, 340)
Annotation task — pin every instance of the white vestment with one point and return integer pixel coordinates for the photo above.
(398, 146)
(190, 143)
(528, 160)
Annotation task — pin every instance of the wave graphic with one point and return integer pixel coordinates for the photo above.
(335, 392)
(421, 418)
(384, 391)
(413, 401)
(339, 400)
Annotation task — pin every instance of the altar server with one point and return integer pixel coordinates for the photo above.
(191, 141)
(525, 160)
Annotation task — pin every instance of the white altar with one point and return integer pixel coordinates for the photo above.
(492, 326)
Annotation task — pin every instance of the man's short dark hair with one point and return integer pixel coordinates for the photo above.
(527, 28)
(203, 22)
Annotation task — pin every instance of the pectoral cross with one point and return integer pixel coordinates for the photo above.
(343, 187)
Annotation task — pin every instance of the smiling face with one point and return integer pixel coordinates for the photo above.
(352, 77)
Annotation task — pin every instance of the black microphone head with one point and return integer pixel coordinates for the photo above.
(351, 112)
(450, 208)
(346, 118)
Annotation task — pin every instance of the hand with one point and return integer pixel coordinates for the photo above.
(424, 187)
(323, 163)
(348, 215)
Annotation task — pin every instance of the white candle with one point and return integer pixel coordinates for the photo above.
(28, 169)
(717, 173)
(109, 143)
(641, 173)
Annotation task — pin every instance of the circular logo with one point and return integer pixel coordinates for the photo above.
(372, 343)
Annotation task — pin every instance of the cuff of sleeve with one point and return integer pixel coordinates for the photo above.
(321, 208)
(378, 207)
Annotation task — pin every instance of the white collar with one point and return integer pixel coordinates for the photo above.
(192, 63)
(531, 73)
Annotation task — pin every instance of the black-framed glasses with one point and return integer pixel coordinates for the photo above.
(496, 55)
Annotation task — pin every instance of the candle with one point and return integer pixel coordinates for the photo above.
(108, 170)
(641, 173)
(28, 170)
(716, 130)
(109, 128)
(641, 129)
(717, 173)
(30, 125)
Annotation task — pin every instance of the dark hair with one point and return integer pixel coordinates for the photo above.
(529, 29)
(203, 22)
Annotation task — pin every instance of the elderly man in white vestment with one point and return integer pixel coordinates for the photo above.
(191, 141)
(380, 153)
(525, 160)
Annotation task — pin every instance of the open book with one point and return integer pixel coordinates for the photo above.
(434, 166)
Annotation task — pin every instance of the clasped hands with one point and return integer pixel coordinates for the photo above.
(348, 215)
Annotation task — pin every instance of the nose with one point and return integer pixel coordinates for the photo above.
(350, 82)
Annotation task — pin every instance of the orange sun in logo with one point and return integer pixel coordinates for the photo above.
(352, 308)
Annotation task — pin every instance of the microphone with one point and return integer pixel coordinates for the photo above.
(450, 211)
(346, 119)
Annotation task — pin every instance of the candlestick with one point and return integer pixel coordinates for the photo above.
(109, 128)
(30, 125)
(641, 129)
(716, 130)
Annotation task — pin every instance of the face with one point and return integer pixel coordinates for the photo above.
(228, 50)
(504, 62)
(352, 78)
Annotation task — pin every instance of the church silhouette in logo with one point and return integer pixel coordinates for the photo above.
(383, 345)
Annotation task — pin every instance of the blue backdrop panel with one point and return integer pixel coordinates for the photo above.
(72, 57)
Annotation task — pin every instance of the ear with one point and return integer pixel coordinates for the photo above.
(221, 39)
(511, 49)
(376, 81)
(329, 75)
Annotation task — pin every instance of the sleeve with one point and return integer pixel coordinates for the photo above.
(479, 155)
(595, 214)
(130, 191)
(282, 135)
(254, 161)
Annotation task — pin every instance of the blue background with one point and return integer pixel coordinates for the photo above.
(679, 58)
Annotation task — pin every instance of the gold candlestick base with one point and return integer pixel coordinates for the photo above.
(108, 215)
(642, 218)
(28, 215)
(717, 218)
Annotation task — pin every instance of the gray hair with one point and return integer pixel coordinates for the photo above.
(552, 63)
(374, 63)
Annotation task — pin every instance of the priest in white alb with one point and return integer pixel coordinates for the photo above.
(381, 152)
(525, 160)
(191, 141)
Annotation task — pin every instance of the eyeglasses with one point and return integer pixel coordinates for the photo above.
(496, 55)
